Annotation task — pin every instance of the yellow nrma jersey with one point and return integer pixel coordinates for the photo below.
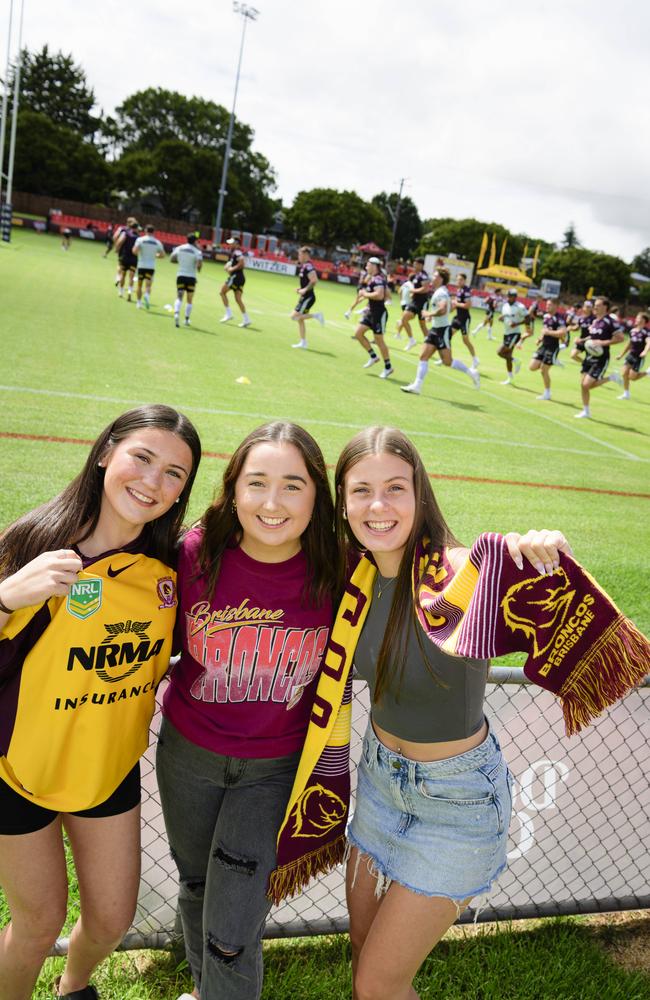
(78, 678)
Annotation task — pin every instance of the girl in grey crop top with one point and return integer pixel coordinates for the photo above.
(426, 708)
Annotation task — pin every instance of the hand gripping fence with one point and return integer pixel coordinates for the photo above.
(577, 839)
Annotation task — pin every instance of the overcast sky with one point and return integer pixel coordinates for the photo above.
(531, 115)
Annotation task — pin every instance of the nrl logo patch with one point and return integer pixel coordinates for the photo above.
(84, 598)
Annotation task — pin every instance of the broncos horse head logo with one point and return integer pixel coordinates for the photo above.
(317, 811)
(539, 610)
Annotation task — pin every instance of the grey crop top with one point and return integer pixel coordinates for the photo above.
(427, 711)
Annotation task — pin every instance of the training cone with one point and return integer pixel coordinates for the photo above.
(243, 380)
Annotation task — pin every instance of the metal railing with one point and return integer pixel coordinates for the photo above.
(578, 839)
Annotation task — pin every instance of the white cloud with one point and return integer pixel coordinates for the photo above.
(529, 115)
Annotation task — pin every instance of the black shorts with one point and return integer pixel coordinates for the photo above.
(236, 280)
(460, 322)
(440, 337)
(489, 313)
(595, 367)
(547, 355)
(128, 261)
(145, 272)
(305, 302)
(417, 304)
(511, 340)
(634, 361)
(19, 815)
(375, 323)
(184, 284)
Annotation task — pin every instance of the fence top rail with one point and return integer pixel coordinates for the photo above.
(515, 675)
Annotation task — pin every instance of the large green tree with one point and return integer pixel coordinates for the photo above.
(409, 225)
(171, 147)
(580, 269)
(641, 263)
(54, 160)
(53, 85)
(328, 217)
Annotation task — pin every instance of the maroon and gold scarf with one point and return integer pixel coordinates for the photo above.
(579, 645)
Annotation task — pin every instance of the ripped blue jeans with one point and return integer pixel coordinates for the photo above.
(222, 816)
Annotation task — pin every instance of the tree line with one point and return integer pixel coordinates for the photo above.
(163, 151)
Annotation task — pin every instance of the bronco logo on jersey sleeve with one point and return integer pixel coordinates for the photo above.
(85, 598)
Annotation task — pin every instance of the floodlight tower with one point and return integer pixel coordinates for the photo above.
(247, 13)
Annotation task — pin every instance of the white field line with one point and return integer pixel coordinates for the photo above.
(189, 408)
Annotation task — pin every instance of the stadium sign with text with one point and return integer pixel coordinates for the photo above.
(276, 266)
(5, 221)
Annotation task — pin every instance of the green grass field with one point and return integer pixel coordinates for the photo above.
(76, 356)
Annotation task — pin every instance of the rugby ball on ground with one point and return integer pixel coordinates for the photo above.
(593, 347)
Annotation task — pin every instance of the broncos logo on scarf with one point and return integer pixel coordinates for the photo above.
(317, 811)
(539, 618)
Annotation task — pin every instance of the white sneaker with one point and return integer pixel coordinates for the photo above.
(615, 377)
(506, 381)
(226, 318)
(187, 323)
(411, 343)
(438, 361)
(414, 388)
(625, 395)
(558, 363)
(490, 337)
(245, 323)
(347, 313)
(544, 396)
(138, 305)
(301, 343)
(386, 372)
(582, 415)
(371, 361)
(476, 378)
(176, 322)
(475, 363)
(320, 318)
(516, 366)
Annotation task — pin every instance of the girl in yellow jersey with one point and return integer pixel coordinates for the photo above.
(87, 610)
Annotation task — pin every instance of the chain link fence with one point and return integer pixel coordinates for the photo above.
(577, 839)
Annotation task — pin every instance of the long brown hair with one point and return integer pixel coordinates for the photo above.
(429, 526)
(72, 516)
(221, 526)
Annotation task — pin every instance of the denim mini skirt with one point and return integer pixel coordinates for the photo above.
(438, 828)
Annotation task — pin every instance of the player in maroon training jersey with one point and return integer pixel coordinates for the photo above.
(548, 346)
(602, 334)
(636, 351)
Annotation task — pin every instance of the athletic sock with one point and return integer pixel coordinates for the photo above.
(423, 368)
(246, 318)
(228, 313)
(177, 308)
(188, 310)
(461, 366)
(387, 363)
(372, 353)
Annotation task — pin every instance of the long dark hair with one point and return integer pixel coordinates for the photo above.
(429, 526)
(72, 516)
(221, 526)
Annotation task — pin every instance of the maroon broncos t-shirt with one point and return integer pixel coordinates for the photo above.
(246, 679)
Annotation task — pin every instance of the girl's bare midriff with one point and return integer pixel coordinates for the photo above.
(430, 751)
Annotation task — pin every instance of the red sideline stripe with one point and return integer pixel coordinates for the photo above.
(432, 475)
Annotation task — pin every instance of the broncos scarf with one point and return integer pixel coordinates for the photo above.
(579, 645)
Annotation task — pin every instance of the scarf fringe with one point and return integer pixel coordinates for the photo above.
(289, 879)
(617, 663)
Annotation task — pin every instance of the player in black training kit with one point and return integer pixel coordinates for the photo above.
(635, 353)
(601, 334)
(461, 321)
(548, 346)
(374, 316)
(306, 295)
(235, 281)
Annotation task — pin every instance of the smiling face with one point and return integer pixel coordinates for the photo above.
(275, 501)
(145, 474)
(380, 503)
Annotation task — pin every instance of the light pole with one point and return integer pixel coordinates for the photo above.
(395, 216)
(248, 13)
(5, 100)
